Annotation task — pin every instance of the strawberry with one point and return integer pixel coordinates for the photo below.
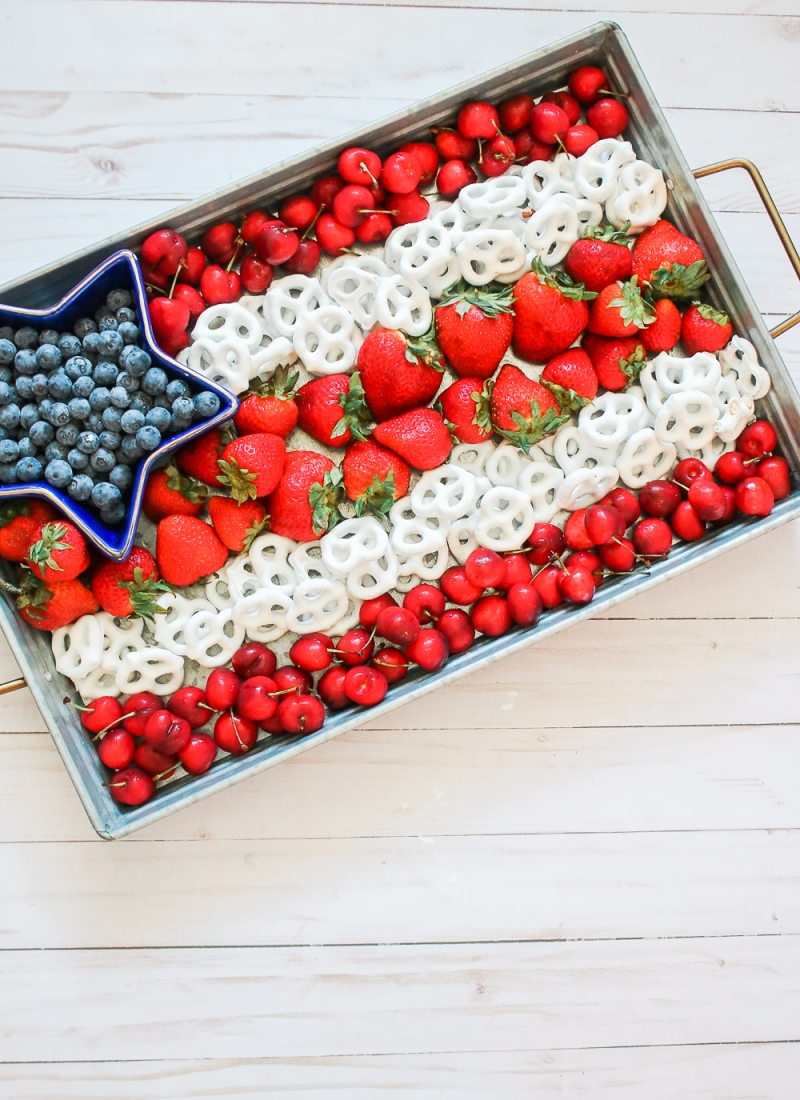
(51, 606)
(332, 409)
(237, 524)
(671, 264)
(550, 313)
(600, 257)
(374, 477)
(616, 361)
(465, 407)
(169, 492)
(58, 552)
(522, 410)
(420, 436)
(620, 310)
(474, 326)
(251, 465)
(269, 406)
(704, 329)
(305, 501)
(200, 458)
(665, 331)
(188, 549)
(398, 373)
(19, 520)
(571, 378)
(129, 587)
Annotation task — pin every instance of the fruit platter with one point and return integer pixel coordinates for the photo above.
(304, 451)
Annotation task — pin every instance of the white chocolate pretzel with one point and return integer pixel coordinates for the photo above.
(504, 520)
(355, 290)
(545, 178)
(612, 418)
(493, 197)
(325, 340)
(585, 487)
(262, 614)
(226, 362)
(697, 372)
(639, 197)
(485, 255)
(540, 482)
(170, 627)
(552, 231)
(153, 669)
(403, 303)
(740, 356)
(290, 299)
(573, 449)
(412, 534)
(687, 418)
(269, 557)
(317, 605)
(597, 169)
(418, 250)
(645, 458)
(212, 637)
(78, 648)
(449, 491)
(352, 542)
(229, 320)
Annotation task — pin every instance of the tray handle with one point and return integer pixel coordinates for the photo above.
(775, 217)
(12, 685)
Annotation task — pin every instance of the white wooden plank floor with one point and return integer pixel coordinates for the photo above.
(575, 875)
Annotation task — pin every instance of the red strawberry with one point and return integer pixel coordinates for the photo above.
(269, 406)
(374, 477)
(620, 310)
(237, 524)
(665, 331)
(474, 327)
(704, 329)
(522, 410)
(672, 264)
(398, 373)
(200, 458)
(188, 549)
(129, 587)
(19, 521)
(600, 257)
(420, 436)
(332, 409)
(58, 552)
(616, 361)
(571, 378)
(251, 466)
(305, 501)
(465, 407)
(550, 313)
(169, 492)
(51, 606)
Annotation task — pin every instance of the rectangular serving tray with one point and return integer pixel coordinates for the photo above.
(604, 45)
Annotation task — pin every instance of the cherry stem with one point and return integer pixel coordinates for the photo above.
(364, 168)
(181, 263)
(78, 706)
(238, 243)
(236, 729)
(207, 706)
(164, 775)
(561, 143)
(617, 95)
(391, 213)
(111, 725)
(314, 222)
(680, 485)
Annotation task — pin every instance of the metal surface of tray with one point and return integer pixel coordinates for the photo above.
(603, 44)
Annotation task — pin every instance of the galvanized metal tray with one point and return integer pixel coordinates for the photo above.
(603, 44)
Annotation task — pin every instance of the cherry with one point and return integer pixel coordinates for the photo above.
(491, 616)
(430, 649)
(331, 688)
(371, 609)
(731, 467)
(251, 659)
(325, 189)
(515, 113)
(193, 266)
(219, 242)
(397, 625)
(375, 227)
(352, 204)
(457, 588)
(253, 223)
(222, 687)
(686, 523)
(218, 286)
(256, 699)
(165, 249)
(411, 207)
(625, 502)
(198, 754)
(116, 749)
(333, 237)
(365, 686)
(101, 713)
(190, 297)
(427, 157)
(576, 585)
(311, 653)
(580, 138)
(652, 537)
(401, 173)
(549, 122)
(607, 117)
(707, 499)
(568, 103)
(546, 583)
(132, 787)
(291, 678)
(587, 82)
(775, 471)
(357, 165)
(456, 625)
(484, 568)
(160, 765)
(758, 439)
(169, 316)
(497, 156)
(603, 522)
(305, 258)
(545, 540)
(518, 571)
(619, 555)
(355, 647)
(478, 119)
(454, 146)
(185, 703)
(730, 505)
(586, 559)
(529, 148)
(754, 497)
(392, 663)
(301, 714)
(256, 274)
(659, 498)
(272, 725)
(154, 277)
(426, 601)
(276, 242)
(689, 470)
(234, 733)
(453, 175)
(138, 709)
(524, 603)
(166, 732)
(575, 534)
(299, 211)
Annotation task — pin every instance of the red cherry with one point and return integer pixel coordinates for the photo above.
(625, 502)
(365, 686)
(577, 585)
(568, 103)
(333, 237)
(754, 497)
(478, 119)
(575, 534)
(652, 537)
(603, 522)
(138, 709)
(352, 204)
(222, 687)
(185, 703)
(686, 523)
(331, 688)
(607, 117)
(392, 663)
(545, 540)
(497, 155)
(276, 243)
(218, 286)
(524, 603)
(375, 227)
(426, 601)
(456, 625)
(165, 249)
(166, 732)
(397, 625)
(518, 571)
(731, 467)
(305, 258)
(689, 470)
(430, 649)
(325, 189)
(169, 316)
(355, 647)
(707, 499)
(586, 559)
(659, 498)
(587, 82)
(234, 733)
(758, 439)
(132, 787)
(580, 138)
(529, 148)
(291, 678)
(256, 274)
(312, 652)
(454, 146)
(401, 173)
(619, 555)
(457, 588)
(198, 754)
(484, 568)
(116, 749)
(427, 156)
(102, 713)
(453, 175)
(548, 122)
(491, 616)
(730, 505)
(253, 223)
(193, 266)
(371, 609)
(153, 277)
(515, 113)
(298, 211)
(160, 765)
(190, 297)
(357, 165)
(256, 699)
(411, 207)
(301, 714)
(251, 659)
(219, 242)
(272, 725)
(775, 471)
(546, 583)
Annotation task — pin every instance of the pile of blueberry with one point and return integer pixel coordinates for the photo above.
(79, 409)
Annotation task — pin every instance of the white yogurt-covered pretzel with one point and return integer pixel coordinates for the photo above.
(169, 629)
(403, 303)
(306, 560)
(350, 619)
(493, 197)
(262, 614)
(325, 340)
(444, 277)
(645, 458)
(153, 669)
(504, 519)
(118, 641)
(317, 605)
(229, 320)
(597, 169)
(290, 299)
(740, 356)
(352, 542)
(545, 178)
(654, 395)
(269, 557)
(373, 578)
(472, 456)
(582, 488)
(573, 450)
(355, 290)
(456, 221)
(276, 352)
(612, 418)
(216, 590)
(226, 362)
(540, 482)
(369, 263)
(738, 414)
(503, 464)
(687, 418)
(412, 534)
(552, 231)
(639, 197)
(241, 577)
(485, 255)
(461, 538)
(78, 648)
(589, 213)
(449, 491)
(212, 637)
(710, 453)
(675, 374)
(418, 250)
(425, 567)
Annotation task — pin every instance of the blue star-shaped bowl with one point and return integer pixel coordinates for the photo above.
(119, 271)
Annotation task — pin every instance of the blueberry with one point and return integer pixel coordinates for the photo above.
(100, 398)
(129, 332)
(83, 386)
(48, 357)
(9, 416)
(29, 469)
(7, 375)
(24, 388)
(45, 405)
(111, 419)
(7, 352)
(60, 386)
(9, 450)
(6, 332)
(26, 448)
(177, 388)
(110, 440)
(178, 424)
(8, 474)
(102, 312)
(107, 323)
(58, 473)
(120, 398)
(122, 477)
(79, 408)
(4, 434)
(131, 421)
(105, 374)
(142, 402)
(105, 494)
(114, 514)
(7, 394)
(88, 442)
(148, 437)
(40, 386)
(130, 449)
(26, 337)
(80, 487)
(77, 366)
(41, 433)
(58, 414)
(90, 342)
(102, 461)
(162, 402)
(126, 316)
(135, 361)
(68, 345)
(48, 336)
(110, 343)
(183, 407)
(67, 436)
(25, 361)
(159, 418)
(28, 415)
(128, 381)
(77, 459)
(155, 381)
(118, 298)
(94, 423)
(83, 326)
(55, 450)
